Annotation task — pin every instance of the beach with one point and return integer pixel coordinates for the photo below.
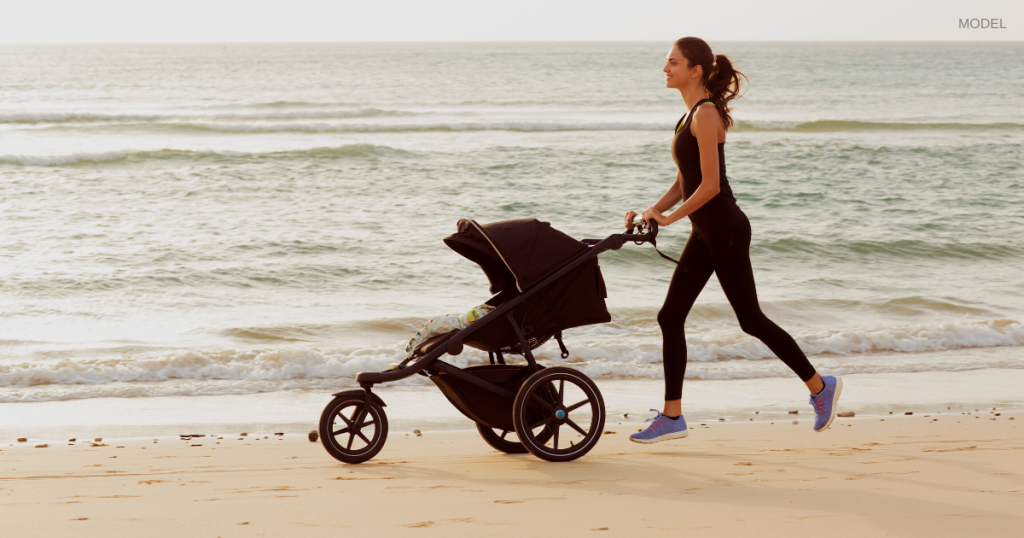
(211, 239)
(938, 473)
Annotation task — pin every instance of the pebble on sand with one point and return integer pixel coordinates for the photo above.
(846, 414)
(313, 436)
(22, 440)
(281, 433)
(243, 434)
(98, 440)
(794, 412)
(72, 440)
(418, 433)
(909, 413)
(42, 446)
(796, 422)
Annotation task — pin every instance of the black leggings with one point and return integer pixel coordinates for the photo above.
(727, 254)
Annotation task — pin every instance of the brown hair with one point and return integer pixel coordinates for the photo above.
(721, 81)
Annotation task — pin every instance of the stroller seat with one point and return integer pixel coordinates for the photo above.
(430, 344)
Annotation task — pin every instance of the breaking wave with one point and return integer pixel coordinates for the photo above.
(346, 151)
(602, 351)
(255, 114)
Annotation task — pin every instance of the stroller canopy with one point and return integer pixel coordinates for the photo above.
(514, 253)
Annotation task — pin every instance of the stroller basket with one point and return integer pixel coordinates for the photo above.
(479, 404)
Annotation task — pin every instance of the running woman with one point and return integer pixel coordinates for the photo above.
(720, 240)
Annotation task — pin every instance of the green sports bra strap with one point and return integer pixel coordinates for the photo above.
(683, 119)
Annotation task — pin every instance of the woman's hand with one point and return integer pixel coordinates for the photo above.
(656, 216)
(630, 217)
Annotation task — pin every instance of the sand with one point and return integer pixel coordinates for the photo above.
(923, 475)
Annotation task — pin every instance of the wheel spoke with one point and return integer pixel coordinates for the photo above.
(577, 405)
(541, 423)
(339, 432)
(351, 437)
(575, 427)
(538, 400)
(503, 434)
(557, 427)
(348, 422)
(363, 437)
(365, 424)
(561, 390)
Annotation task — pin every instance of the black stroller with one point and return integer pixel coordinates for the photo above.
(543, 282)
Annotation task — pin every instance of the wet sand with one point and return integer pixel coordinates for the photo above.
(923, 475)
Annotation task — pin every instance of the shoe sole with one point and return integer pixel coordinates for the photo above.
(666, 437)
(835, 401)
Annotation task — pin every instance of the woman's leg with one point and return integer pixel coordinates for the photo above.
(692, 273)
(731, 254)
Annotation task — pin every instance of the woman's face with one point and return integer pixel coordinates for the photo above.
(677, 74)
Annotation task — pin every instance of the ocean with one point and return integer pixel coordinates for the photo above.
(226, 234)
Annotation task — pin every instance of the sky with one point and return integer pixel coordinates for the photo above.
(162, 21)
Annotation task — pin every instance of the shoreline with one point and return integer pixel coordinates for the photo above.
(907, 476)
(425, 408)
(620, 425)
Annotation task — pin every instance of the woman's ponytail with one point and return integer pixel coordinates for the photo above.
(721, 79)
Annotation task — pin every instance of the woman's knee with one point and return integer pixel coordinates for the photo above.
(671, 318)
(755, 324)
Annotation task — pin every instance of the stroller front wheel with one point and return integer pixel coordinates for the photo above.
(352, 429)
(558, 414)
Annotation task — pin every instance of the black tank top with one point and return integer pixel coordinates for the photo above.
(719, 213)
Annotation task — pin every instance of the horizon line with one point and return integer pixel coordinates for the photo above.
(467, 41)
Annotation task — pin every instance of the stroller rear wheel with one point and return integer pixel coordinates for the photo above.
(506, 441)
(558, 414)
(352, 429)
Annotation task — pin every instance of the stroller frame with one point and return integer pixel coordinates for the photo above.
(537, 400)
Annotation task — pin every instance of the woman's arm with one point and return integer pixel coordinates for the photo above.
(671, 197)
(705, 124)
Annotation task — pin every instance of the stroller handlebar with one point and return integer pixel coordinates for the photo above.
(640, 232)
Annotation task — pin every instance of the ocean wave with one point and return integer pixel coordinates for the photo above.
(324, 127)
(255, 115)
(898, 248)
(260, 118)
(600, 351)
(337, 152)
(825, 126)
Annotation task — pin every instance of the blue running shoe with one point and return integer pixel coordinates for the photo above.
(662, 429)
(825, 402)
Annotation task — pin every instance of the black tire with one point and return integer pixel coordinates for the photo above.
(535, 414)
(341, 441)
(500, 441)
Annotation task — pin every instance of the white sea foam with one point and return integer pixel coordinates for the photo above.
(62, 159)
(608, 355)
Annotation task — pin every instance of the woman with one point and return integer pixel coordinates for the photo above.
(720, 240)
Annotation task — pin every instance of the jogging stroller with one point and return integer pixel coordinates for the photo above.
(543, 282)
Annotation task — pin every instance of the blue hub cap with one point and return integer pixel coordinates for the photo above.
(560, 413)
